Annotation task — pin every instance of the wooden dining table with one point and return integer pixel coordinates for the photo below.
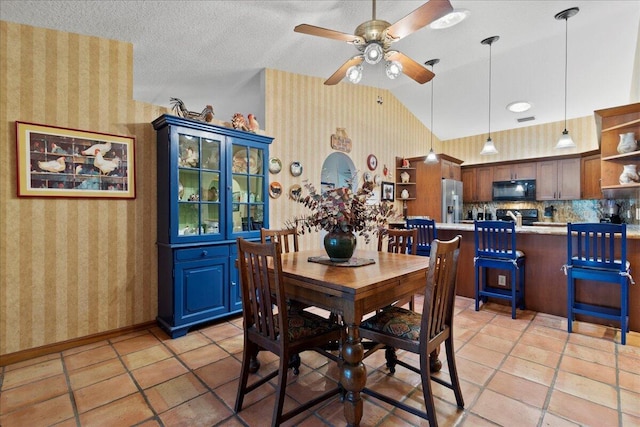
(353, 292)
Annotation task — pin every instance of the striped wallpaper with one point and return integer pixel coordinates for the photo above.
(70, 268)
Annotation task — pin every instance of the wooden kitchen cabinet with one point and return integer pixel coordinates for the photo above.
(514, 171)
(558, 179)
(611, 123)
(451, 170)
(425, 185)
(477, 184)
(590, 185)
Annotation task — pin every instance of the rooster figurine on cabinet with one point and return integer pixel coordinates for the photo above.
(254, 126)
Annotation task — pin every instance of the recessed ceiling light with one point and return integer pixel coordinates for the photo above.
(518, 106)
(450, 19)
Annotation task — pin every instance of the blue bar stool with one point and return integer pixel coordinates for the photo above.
(427, 233)
(598, 251)
(495, 243)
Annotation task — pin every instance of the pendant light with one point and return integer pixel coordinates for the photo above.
(565, 140)
(431, 157)
(489, 147)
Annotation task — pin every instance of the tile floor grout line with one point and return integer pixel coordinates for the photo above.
(72, 397)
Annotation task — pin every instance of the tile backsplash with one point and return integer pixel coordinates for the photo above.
(565, 210)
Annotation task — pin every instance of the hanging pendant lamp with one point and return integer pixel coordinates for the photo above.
(489, 147)
(431, 157)
(565, 140)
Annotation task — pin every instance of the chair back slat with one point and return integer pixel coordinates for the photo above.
(597, 245)
(262, 291)
(437, 312)
(427, 232)
(288, 238)
(495, 239)
(399, 241)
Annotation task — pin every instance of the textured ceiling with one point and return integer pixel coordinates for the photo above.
(211, 52)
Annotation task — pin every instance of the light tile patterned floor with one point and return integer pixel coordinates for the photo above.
(524, 372)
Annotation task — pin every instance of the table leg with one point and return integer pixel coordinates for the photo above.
(353, 376)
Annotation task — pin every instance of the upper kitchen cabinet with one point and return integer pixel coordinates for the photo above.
(476, 183)
(558, 179)
(451, 170)
(591, 176)
(509, 172)
(613, 124)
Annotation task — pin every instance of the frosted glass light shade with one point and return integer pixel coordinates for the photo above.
(565, 140)
(354, 74)
(373, 53)
(394, 69)
(431, 157)
(488, 148)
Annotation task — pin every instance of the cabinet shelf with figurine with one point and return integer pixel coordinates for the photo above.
(618, 131)
(212, 184)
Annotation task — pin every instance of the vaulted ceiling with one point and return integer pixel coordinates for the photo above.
(211, 52)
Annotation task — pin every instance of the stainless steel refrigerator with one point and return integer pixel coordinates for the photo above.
(451, 200)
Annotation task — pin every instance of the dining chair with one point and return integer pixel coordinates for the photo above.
(398, 241)
(288, 238)
(495, 248)
(427, 232)
(269, 326)
(423, 333)
(598, 252)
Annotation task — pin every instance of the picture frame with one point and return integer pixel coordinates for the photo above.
(387, 191)
(61, 162)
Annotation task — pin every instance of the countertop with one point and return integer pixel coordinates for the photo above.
(549, 228)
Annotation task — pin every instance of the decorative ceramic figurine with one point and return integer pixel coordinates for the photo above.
(405, 193)
(629, 174)
(627, 143)
(404, 176)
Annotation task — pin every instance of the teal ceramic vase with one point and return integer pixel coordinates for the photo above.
(340, 245)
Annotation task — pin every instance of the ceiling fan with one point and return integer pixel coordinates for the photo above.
(374, 38)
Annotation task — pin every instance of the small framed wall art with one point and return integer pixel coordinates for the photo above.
(387, 192)
(61, 162)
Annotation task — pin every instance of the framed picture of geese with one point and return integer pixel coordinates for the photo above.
(60, 162)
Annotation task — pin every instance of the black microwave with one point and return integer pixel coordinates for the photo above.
(524, 190)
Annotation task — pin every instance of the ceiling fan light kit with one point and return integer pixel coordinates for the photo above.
(489, 147)
(565, 140)
(373, 39)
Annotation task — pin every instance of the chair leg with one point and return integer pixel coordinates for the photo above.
(523, 304)
(570, 297)
(249, 350)
(453, 372)
(294, 362)
(514, 292)
(477, 288)
(392, 360)
(427, 393)
(624, 310)
(280, 391)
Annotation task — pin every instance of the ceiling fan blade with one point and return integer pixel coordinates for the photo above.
(330, 34)
(421, 17)
(410, 67)
(342, 71)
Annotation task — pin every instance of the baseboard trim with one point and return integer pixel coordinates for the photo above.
(21, 356)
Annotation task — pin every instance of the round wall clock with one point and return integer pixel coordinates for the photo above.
(372, 162)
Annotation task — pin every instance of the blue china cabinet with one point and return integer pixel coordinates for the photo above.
(212, 185)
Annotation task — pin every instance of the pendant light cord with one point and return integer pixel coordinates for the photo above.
(566, 49)
(431, 110)
(490, 90)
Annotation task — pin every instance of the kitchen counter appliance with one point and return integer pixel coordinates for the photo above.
(523, 190)
(529, 216)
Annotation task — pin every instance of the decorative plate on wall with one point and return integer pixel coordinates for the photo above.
(296, 168)
(377, 179)
(372, 162)
(275, 190)
(275, 165)
(295, 191)
(367, 177)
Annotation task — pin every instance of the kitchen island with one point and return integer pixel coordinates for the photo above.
(545, 247)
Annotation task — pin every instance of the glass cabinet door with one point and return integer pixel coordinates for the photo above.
(248, 186)
(199, 181)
